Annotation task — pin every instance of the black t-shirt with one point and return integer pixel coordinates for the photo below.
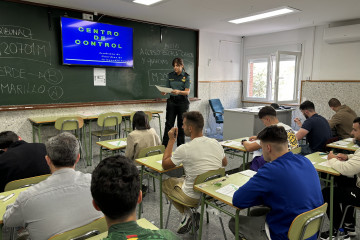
(319, 132)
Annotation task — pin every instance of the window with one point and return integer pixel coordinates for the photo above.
(273, 78)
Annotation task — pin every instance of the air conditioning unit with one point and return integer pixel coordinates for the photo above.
(349, 33)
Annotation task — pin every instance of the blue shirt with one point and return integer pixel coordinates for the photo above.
(319, 132)
(288, 185)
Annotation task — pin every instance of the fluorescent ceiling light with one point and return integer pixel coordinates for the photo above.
(266, 14)
(147, 2)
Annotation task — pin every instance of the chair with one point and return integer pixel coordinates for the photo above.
(296, 150)
(218, 111)
(343, 217)
(25, 182)
(106, 121)
(308, 223)
(150, 151)
(91, 229)
(130, 128)
(73, 124)
(210, 175)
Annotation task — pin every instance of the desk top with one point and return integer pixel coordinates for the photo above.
(52, 119)
(318, 159)
(235, 144)
(345, 144)
(254, 110)
(3, 205)
(107, 144)
(155, 163)
(210, 189)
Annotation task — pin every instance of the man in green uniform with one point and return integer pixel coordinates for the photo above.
(115, 188)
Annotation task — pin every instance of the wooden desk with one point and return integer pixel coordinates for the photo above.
(3, 205)
(142, 223)
(234, 146)
(351, 146)
(208, 188)
(154, 163)
(317, 159)
(107, 145)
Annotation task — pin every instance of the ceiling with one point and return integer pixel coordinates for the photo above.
(212, 15)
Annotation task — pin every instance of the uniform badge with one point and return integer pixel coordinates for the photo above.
(184, 79)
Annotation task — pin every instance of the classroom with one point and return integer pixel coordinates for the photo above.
(235, 63)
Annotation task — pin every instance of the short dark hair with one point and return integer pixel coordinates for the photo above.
(7, 138)
(63, 149)
(178, 61)
(357, 120)
(334, 102)
(273, 134)
(115, 186)
(267, 111)
(140, 121)
(194, 119)
(307, 105)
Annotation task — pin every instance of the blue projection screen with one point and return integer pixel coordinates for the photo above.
(96, 44)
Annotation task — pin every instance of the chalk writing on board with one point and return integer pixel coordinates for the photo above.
(158, 76)
(55, 92)
(15, 31)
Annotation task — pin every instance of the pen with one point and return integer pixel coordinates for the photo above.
(221, 180)
(8, 197)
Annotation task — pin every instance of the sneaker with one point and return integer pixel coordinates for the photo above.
(350, 229)
(144, 189)
(325, 235)
(197, 221)
(185, 225)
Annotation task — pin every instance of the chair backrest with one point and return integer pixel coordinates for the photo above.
(25, 182)
(150, 151)
(91, 229)
(296, 150)
(307, 224)
(109, 119)
(69, 123)
(218, 109)
(209, 175)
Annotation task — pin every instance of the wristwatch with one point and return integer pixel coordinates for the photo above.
(242, 141)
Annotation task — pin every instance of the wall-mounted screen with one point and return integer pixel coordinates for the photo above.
(96, 44)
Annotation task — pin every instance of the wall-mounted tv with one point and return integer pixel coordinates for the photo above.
(96, 44)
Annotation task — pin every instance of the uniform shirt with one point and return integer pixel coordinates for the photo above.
(60, 203)
(140, 139)
(319, 132)
(200, 155)
(288, 185)
(178, 82)
(342, 120)
(131, 230)
(22, 160)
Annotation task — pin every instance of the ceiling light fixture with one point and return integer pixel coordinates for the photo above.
(147, 2)
(266, 14)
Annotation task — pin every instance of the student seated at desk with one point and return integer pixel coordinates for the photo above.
(268, 117)
(342, 120)
(288, 185)
(316, 129)
(200, 155)
(115, 188)
(61, 202)
(347, 192)
(20, 159)
(141, 137)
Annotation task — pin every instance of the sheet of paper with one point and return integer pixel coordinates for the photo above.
(313, 163)
(118, 143)
(249, 173)
(164, 89)
(348, 140)
(159, 161)
(341, 143)
(324, 157)
(99, 77)
(228, 190)
(324, 164)
(231, 143)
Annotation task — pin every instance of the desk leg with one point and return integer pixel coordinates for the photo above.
(243, 158)
(33, 132)
(39, 133)
(331, 206)
(90, 145)
(161, 201)
(201, 215)
(1, 227)
(158, 115)
(237, 224)
(141, 178)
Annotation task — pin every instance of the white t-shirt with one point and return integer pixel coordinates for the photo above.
(292, 141)
(200, 155)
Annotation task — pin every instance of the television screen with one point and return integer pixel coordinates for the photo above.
(96, 44)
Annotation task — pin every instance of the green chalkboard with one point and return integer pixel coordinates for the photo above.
(31, 70)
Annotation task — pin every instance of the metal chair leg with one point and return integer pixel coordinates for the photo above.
(168, 215)
(342, 220)
(222, 226)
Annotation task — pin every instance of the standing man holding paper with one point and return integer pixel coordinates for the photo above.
(178, 103)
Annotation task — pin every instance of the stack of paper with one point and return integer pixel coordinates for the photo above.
(228, 190)
(341, 143)
(324, 164)
(118, 143)
(249, 173)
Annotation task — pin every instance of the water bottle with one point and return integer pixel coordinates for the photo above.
(341, 234)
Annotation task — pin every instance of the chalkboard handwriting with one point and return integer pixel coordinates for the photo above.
(15, 31)
(165, 52)
(173, 46)
(16, 89)
(27, 49)
(152, 61)
(55, 92)
(158, 76)
(52, 76)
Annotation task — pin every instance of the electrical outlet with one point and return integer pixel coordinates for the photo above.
(88, 16)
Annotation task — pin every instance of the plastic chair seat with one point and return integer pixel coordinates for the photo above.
(25, 182)
(104, 133)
